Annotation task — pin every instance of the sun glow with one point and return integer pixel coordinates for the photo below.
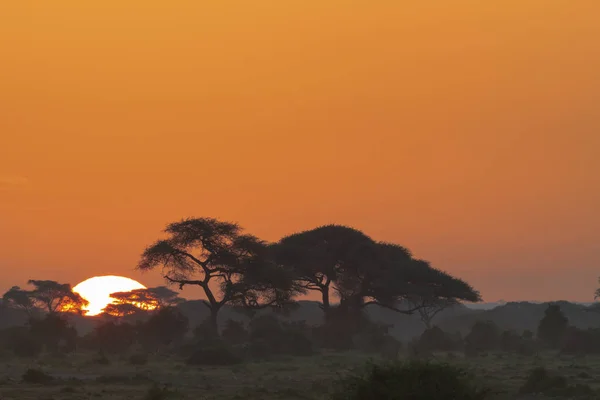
(97, 291)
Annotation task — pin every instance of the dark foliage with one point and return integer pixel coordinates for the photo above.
(214, 354)
(54, 333)
(540, 381)
(234, 332)
(409, 381)
(138, 359)
(20, 342)
(166, 326)
(229, 266)
(111, 337)
(484, 336)
(511, 342)
(36, 376)
(552, 328)
(435, 339)
(205, 333)
(580, 341)
(157, 392)
(270, 336)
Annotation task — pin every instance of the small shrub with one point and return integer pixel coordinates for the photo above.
(234, 332)
(259, 349)
(409, 381)
(101, 359)
(138, 359)
(215, 354)
(21, 342)
(540, 381)
(36, 376)
(484, 337)
(159, 393)
(435, 339)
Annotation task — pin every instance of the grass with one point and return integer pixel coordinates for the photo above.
(306, 378)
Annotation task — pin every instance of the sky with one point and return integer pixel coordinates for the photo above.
(467, 131)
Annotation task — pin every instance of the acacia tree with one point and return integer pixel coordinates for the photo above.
(46, 295)
(56, 297)
(362, 272)
(229, 266)
(147, 299)
(20, 299)
(439, 291)
(320, 257)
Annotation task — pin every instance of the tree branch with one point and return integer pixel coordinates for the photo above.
(389, 307)
(183, 282)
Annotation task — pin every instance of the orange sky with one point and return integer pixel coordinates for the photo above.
(468, 131)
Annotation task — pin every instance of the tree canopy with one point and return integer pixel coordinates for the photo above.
(147, 299)
(230, 266)
(342, 261)
(46, 295)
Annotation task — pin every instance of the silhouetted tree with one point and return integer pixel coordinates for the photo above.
(46, 295)
(552, 327)
(21, 299)
(121, 310)
(148, 299)
(164, 327)
(402, 279)
(484, 336)
(442, 291)
(229, 266)
(234, 332)
(20, 341)
(111, 337)
(54, 332)
(320, 256)
(435, 339)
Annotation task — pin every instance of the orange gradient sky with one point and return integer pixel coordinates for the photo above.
(468, 131)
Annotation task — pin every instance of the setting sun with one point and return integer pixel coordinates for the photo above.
(97, 291)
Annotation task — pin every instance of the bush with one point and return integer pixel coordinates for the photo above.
(484, 337)
(138, 359)
(214, 354)
(111, 337)
(23, 343)
(37, 377)
(159, 393)
(101, 359)
(234, 332)
(579, 341)
(270, 336)
(164, 327)
(540, 381)
(435, 339)
(55, 333)
(408, 381)
(553, 327)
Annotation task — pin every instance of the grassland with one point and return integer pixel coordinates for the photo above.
(81, 376)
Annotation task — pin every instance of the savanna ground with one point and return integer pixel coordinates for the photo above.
(81, 376)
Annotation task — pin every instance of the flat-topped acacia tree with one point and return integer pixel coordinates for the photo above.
(345, 262)
(229, 266)
(46, 296)
(322, 257)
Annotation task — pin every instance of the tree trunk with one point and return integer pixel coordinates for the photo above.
(427, 322)
(214, 320)
(326, 305)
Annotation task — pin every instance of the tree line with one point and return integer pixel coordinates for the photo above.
(238, 269)
(335, 262)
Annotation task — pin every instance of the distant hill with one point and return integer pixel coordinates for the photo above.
(518, 316)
